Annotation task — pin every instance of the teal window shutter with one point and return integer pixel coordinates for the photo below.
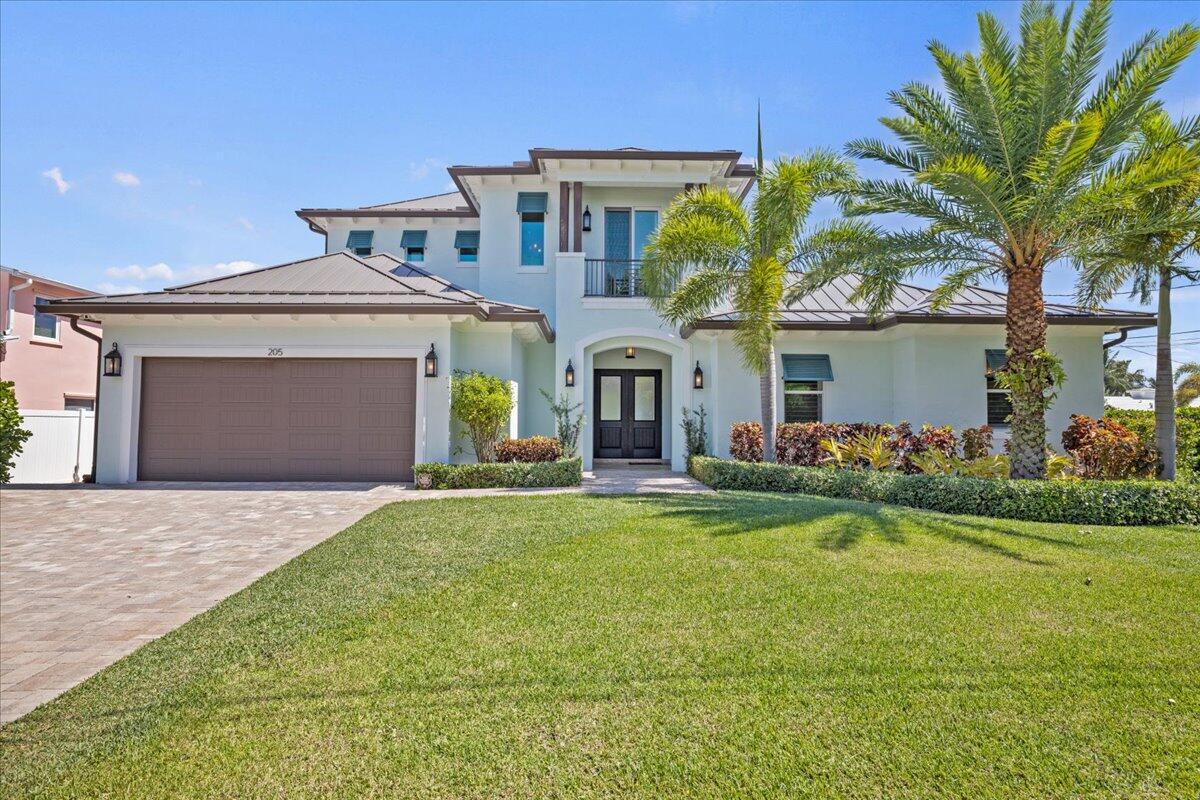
(359, 242)
(532, 202)
(996, 359)
(412, 239)
(808, 367)
(466, 239)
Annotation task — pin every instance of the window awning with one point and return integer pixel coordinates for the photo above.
(466, 239)
(808, 367)
(413, 239)
(358, 239)
(532, 202)
(996, 359)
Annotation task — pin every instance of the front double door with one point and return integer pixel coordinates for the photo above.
(628, 408)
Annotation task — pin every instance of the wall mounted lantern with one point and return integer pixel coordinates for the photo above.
(587, 218)
(112, 363)
(631, 352)
(698, 377)
(431, 362)
(569, 375)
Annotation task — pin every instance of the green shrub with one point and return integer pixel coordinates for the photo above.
(1104, 448)
(12, 435)
(1085, 502)
(694, 425)
(513, 475)
(529, 450)
(482, 403)
(566, 428)
(1187, 435)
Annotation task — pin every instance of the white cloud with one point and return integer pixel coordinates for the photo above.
(60, 183)
(135, 272)
(420, 171)
(216, 270)
(118, 288)
(163, 273)
(245, 223)
(127, 179)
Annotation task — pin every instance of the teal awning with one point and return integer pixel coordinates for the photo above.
(532, 202)
(413, 239)
(358, 239)
(466, 239)
(809, 367)
(996, 359)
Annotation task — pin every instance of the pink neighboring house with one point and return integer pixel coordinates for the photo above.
(52, 366)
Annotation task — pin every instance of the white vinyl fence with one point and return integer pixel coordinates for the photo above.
(60, 449)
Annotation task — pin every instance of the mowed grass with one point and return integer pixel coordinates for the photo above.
(704, 646)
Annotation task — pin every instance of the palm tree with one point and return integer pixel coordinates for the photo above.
(1152, 259)
(1119, 378)
(1188, 376)
(1013, 169)
(709, 251)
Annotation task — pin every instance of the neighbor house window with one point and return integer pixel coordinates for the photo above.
(531, 208)
(467, 245)
(73, 403)
(45, 326)
(802, 401)
(999, 401)
(413, 244)
(359, 242)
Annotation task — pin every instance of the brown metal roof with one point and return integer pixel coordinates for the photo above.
(334, 283)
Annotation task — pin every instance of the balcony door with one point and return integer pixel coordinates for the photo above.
(628, 407)
(627, 231)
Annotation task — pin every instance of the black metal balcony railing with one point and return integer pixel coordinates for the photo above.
(604, 277)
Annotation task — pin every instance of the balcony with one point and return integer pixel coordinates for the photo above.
(605, 277)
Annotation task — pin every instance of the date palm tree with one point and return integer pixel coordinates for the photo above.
(1010, 170)
(1151, 259)
(709, 251)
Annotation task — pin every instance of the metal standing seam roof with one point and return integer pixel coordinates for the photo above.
(832, 307)
(334, 282)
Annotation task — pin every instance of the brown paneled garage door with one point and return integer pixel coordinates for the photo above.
(277, 419)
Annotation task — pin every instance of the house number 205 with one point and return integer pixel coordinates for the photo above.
(274, 351)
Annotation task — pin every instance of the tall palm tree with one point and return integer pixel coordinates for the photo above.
(1010, 170)
(1188, 376)
(1119, 378)
(708, 251)
(1152, 259)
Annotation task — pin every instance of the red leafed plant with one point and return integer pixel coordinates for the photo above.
(746, 441)
(534, 448)
(1106, 449)
(976, 442)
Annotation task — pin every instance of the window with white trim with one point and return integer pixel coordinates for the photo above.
(802, 401)
(45, 326)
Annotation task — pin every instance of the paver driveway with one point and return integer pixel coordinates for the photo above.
(89, 574)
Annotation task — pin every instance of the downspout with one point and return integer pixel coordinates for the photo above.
(1124, 333)
(95, 406)
(12, 301)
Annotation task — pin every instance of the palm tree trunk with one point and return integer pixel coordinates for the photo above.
(1164, 382)
(1025, 332)
(766, 395)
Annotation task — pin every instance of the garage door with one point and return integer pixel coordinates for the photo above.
(300, 419)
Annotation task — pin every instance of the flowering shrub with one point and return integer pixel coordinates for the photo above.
(746, 441)
(1103, 448)
(530, 450)
(976, 442)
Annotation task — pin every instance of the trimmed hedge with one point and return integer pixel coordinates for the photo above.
(513, 475)
(1086, 502)
(1187, 435)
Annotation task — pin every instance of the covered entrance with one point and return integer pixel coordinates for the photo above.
(629, 417)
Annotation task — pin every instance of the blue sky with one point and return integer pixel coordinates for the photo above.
(147, 144)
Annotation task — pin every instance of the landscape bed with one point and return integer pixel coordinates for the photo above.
(729, 644)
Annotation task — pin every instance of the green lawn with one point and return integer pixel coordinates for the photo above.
(737, 644)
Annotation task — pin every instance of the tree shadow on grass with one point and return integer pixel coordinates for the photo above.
(844, 523)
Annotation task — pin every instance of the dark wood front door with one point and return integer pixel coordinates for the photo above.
(628, 408)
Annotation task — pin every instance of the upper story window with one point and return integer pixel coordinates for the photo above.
(531, 208)
(359, 242)
(45, 326)
(999, 401)
(804, 379)
(627, 232)
(413, 244)
(467, 245)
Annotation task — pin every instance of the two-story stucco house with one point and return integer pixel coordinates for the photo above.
(338, 366)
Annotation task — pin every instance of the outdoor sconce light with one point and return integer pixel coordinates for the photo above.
(698, 377)
(431, 363)
(631, 352)
(569, 375)
(112, 363)
(587, 218)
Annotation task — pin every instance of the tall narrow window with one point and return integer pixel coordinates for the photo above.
(359, 242)
(531, 210)
(999, 401)
(802, 401)
(45, 326)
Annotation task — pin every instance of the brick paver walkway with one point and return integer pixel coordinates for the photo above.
(89, 574)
